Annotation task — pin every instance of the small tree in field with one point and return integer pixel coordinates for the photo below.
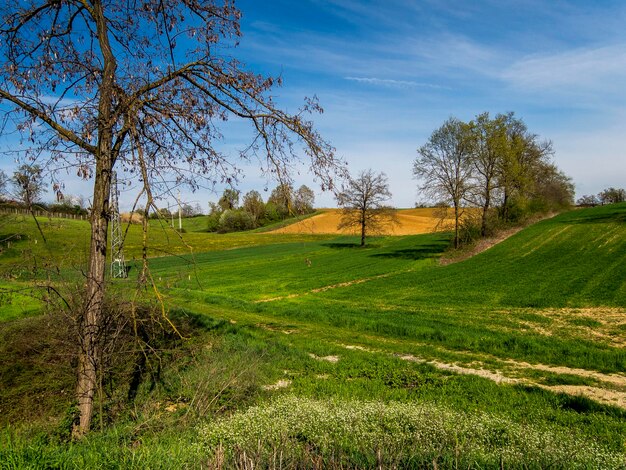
(363, 200)
(141, 88)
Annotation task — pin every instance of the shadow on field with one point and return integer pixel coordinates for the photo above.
(616, 215)
(598, 215)
(341, 246)
(421, 252)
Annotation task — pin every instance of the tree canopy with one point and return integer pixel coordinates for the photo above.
(491, 162)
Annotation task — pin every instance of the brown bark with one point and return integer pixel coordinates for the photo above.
(456, 224)
(483, 228)
(89, 354)
(363, 224)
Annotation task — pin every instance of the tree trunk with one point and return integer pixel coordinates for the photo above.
(456, 225)
(363, 228)
(91, 322)
(93, 315)
(483, 228)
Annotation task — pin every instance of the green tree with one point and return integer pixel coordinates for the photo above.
(523, 154)
(553, 190)
(253, 204)
(490, 144)
(282, 199)
(362, 200)
(229, 199)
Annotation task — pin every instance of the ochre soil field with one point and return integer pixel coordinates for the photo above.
(411, 222)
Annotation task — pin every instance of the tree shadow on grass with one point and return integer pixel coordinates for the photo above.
(601, 218)
(347, 245)
(417, 253)
(597, 215)
(340, 246)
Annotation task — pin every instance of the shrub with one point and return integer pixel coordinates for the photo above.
(235, 221)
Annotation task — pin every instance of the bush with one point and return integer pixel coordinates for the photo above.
(213, 222)
(272, 214)
(235, 221)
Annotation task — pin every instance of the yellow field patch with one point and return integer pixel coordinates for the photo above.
(411, 222)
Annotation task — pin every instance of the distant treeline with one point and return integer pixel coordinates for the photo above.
(232, 213)
(607, 196)
(42, 209)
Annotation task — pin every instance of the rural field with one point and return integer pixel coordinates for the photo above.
(410, 222)
(299, 349)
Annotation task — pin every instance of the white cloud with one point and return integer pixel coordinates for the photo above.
(599, 69)
(393, 83)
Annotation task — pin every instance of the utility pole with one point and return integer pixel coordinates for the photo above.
(118, 265)
(180, 212)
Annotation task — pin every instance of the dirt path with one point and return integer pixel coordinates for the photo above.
(612, 393)
(332, 286)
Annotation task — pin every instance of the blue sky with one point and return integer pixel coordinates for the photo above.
(390, 72)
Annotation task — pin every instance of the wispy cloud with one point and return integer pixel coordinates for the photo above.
(393, 83)
(598, 69)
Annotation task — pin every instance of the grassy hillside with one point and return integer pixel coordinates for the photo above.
(315, 350)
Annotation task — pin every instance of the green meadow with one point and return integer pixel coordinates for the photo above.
(308, 351)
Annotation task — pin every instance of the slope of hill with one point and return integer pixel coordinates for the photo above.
(411, 222)
(524, 342)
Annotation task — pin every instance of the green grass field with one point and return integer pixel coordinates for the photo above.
(314, 350)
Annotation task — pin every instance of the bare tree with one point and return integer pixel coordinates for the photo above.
(28, 185)
(141, 88)
(303, 200)
(444, 166)
(362, 201)
(588, 200)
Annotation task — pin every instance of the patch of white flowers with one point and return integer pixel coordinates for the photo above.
(399, 434)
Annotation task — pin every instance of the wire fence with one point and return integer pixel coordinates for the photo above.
(41, 213)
